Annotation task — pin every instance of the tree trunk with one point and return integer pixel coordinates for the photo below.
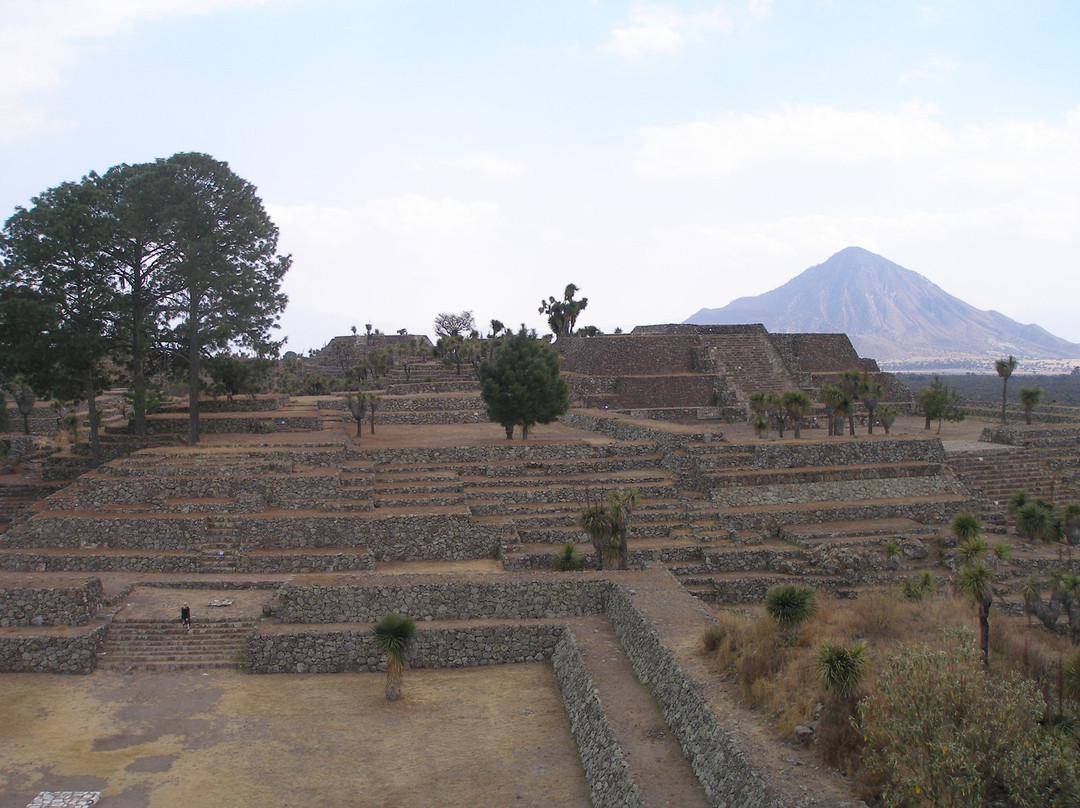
(92, 417)
(524, 431)
(138, 354)
(984, 630)
(798, 430)
(395, 674)
(509, 431)
(193, 371)
(1004, 384)
(851, 424)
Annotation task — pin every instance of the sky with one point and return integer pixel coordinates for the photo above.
(421, 157)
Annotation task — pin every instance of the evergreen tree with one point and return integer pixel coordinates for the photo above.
(522, 385)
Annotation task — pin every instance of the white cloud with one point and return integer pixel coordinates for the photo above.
(482, 164)
(410, 215)
(40, 42)
(936, 69)
(816, 133)
(662, 29)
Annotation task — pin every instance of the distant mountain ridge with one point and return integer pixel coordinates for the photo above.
(891, 314)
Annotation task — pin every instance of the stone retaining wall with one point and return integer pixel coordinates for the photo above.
(610, 780)
(38, 653)
(253, 424)
(833, 491)
(51, 606)
(515, 599)
(354, 649)
(406, 537)
(724, 771)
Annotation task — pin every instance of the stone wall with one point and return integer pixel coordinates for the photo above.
(637, 354)
(261, 403)
(725, 772)
(610, 780)
(23, 652)
(247, 425)
(513, 598)
(51, 606)
(406, 537)
(341, 650)
(842, 452)
(736, 496)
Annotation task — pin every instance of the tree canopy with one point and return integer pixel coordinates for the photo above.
(563, 314)
(522, 385)
(175, 258)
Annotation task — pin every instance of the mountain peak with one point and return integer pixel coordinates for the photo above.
(890, 313)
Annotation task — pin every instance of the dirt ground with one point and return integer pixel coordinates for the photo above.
(463, 737)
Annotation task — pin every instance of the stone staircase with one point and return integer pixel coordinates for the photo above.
(994, 475)
(156, 645)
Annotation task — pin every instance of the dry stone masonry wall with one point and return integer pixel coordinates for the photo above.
(51, 606)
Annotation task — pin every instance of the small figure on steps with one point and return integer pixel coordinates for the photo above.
(185, 616)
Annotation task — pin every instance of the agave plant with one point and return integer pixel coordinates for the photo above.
(790, 604)
(394, 634)
(841, 667)
(568, 559)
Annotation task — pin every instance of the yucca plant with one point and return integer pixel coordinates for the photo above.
(971, 550)
(1033, 521)
(976, 581)
(891, 549)
(790, 604)
(568, 559)
(965, 526)
(915, 589)
(841, 667)
(394, 634)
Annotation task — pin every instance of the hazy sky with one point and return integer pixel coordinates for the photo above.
(421, 157)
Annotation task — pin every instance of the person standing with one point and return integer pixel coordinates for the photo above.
(185, 616)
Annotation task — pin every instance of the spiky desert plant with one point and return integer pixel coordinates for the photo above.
(964, 526)
(891, 549)
(841, 668)
(1033, 521)
(790, 604)
(568, 559)
(887, 416)
(394, 634)
(1016, 502)
(1070, 678)
(915, 589)
(1001, 550)
(976, 581)
(971, 550)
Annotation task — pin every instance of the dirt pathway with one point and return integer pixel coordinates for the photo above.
(661, 771)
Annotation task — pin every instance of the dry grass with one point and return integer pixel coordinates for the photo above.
(774, 671)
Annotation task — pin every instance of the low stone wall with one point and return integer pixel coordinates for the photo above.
(22, 652)
(724, 771)
(621, 430)
(354, 649)
(610, 780)
(253, 424)
(527, 451)
(261, 403)
(519, 598)
(51, 606)
(406, 537)
(842, 452)
(833, 491)
(98, 562)
(272, 489)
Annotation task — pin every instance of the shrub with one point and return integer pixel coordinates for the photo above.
(891, 549)
(713, 638)
(941, 732)
(568, 559)
(790, 604)
(841, 667)
(915, 589)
